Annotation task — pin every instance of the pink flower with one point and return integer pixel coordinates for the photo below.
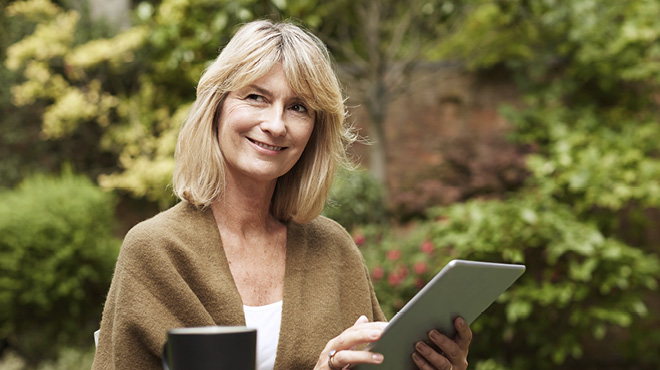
(419, 283)
(394, 279)
(420, 267)
(403, 271)
(359, 239)
(393, 255)
(377, 273)
(427, 247)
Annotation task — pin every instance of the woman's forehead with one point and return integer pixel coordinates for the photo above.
(275, 77)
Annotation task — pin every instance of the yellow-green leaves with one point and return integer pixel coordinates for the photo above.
(55, 69)
(76, 106)
(51, 39)
(147, 159)
(116, 50)
(33, 9)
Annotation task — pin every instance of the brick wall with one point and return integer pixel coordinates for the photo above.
(446, 140)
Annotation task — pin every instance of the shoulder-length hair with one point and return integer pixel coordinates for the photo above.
(300, 194)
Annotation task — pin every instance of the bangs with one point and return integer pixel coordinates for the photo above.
(250, 67)
(304, 58)
(315, 83)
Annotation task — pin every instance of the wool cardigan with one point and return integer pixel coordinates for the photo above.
(172, 272)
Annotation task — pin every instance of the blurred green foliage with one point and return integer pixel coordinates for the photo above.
(588, 74)
(591, 160)
(68, 359)
(16, 125)
(355, 199)
(57, 255)
(579, 286)
(23, 147)
(579, 283)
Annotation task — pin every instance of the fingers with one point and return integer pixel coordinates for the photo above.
(452, 354)
(362, 319)
(344, 358)
(463, 334)
(427, 358)
(360, 333)
(449, 348)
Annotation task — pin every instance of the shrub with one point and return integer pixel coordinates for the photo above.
(579, 286)
(56, 260)
(356, 198)
(67, 359)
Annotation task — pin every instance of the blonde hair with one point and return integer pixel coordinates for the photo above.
(300, 194)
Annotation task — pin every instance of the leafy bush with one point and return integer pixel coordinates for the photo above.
(355, 199)
(590, 111)
(579, 284)
(56, 260)
(597, 161)
(67, 359)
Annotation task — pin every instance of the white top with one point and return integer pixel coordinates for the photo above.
(266, 319)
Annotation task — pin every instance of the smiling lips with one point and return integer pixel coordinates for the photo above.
(266, 146)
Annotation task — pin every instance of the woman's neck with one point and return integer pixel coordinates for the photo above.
(244, 209)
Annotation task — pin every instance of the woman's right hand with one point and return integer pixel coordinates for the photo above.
(344, 344)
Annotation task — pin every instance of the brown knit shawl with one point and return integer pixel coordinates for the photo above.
(172, 272)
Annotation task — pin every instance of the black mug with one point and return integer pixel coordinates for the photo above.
(211, 348)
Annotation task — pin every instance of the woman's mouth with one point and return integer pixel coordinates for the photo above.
(266, 146)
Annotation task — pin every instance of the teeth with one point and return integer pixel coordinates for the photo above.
(277, 148)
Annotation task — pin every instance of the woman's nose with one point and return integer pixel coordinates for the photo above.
(274, 122)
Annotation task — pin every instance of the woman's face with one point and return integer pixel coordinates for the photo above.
(263, 128)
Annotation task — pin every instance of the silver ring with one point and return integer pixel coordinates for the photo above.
(331, 355)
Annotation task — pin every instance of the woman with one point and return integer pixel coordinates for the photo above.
(246, 245)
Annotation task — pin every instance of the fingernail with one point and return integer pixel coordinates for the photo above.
(374, 334)
(377, 357)
(422, 347)
(434, 334)
(361, 319)
(460, 323)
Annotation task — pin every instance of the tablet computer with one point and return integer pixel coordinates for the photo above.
(462, 288)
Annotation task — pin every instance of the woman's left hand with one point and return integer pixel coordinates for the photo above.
(453, 355)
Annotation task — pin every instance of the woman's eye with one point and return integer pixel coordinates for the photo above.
(299, 108)
(255, 97)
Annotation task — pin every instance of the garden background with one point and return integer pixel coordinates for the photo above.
(521, 131)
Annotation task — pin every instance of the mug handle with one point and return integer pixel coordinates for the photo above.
(165, 365)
